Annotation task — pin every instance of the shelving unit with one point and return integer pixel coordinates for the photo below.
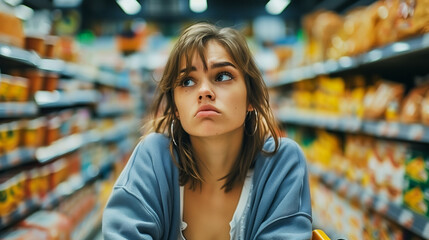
(121, 134)
(400, 62)
(381, 128)
(418, 46)
(353, 191)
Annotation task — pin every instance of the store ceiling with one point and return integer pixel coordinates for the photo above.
(178, 10)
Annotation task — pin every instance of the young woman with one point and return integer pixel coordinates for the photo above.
(213, 166)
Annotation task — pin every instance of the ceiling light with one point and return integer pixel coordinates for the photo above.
(130, 7)
(198, 6)
(275, 7)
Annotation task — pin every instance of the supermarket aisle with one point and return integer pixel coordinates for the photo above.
(70, 107)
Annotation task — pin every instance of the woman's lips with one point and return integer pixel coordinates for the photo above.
(207, 111)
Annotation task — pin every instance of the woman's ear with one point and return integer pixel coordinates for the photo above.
(250, 108)
(177, 114)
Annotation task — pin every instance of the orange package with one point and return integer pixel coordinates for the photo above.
(411, 111)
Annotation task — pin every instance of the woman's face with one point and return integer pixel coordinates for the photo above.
(212, 101)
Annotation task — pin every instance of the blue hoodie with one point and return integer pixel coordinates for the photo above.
(145, 201)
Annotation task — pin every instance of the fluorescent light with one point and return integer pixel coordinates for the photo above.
(275, 7)
(130, 7)
(198, 6)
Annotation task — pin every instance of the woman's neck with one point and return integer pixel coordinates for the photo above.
(216, 155)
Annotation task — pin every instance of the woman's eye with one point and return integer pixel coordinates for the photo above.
(224, 76)
(188, 82)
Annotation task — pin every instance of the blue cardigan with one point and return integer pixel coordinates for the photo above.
(145, 202)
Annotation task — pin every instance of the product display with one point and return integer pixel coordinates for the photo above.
(348, 81)
(362, 129)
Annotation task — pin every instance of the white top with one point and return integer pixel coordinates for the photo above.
(237, 222)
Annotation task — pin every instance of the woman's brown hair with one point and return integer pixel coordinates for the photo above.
(259, 123)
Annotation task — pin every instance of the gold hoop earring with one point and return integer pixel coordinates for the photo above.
(172, 132)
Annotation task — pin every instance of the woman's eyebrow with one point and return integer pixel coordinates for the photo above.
(192, 69)
(214, 65)
(222, 64)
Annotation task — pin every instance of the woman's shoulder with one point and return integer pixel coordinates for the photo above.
(286, 145)
(150, 156)
(154, 141)
(289, 153)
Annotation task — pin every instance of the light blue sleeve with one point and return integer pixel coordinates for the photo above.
(142, 203)
(281, 205)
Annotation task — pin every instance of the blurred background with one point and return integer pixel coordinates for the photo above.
(348, 80)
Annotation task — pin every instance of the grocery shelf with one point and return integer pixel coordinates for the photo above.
(120, 131)
(381, 128)
(52, 65)
(24, 209)
(18, 109)
(17, 157)
(417, 45)
(73, 142)
(54, 99)
(408, 219)
(63, 190)
(66, 189)
(110, 110)
(112, 80)
(63, 146)
(11, 56)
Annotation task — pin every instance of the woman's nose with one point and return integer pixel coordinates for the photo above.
(206, 92)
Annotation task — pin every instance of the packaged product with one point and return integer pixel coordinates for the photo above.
(395, 164)
(416, 188)
(34, 132)
(417, 166)
(425, 109)
(411, 108)
(3, 130)
(35, 80)
(313, 49)
(415, 197)
(413, 18)
(58, 172)
(326, 24)
(11, 30)
(377, 227)
(7, 201)
(379, 168)
(35, 43)
(51, 81)
(55, 224)
(385, 95)
(19, 89)
(348, 40)
(11, 136)
(387, 13)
